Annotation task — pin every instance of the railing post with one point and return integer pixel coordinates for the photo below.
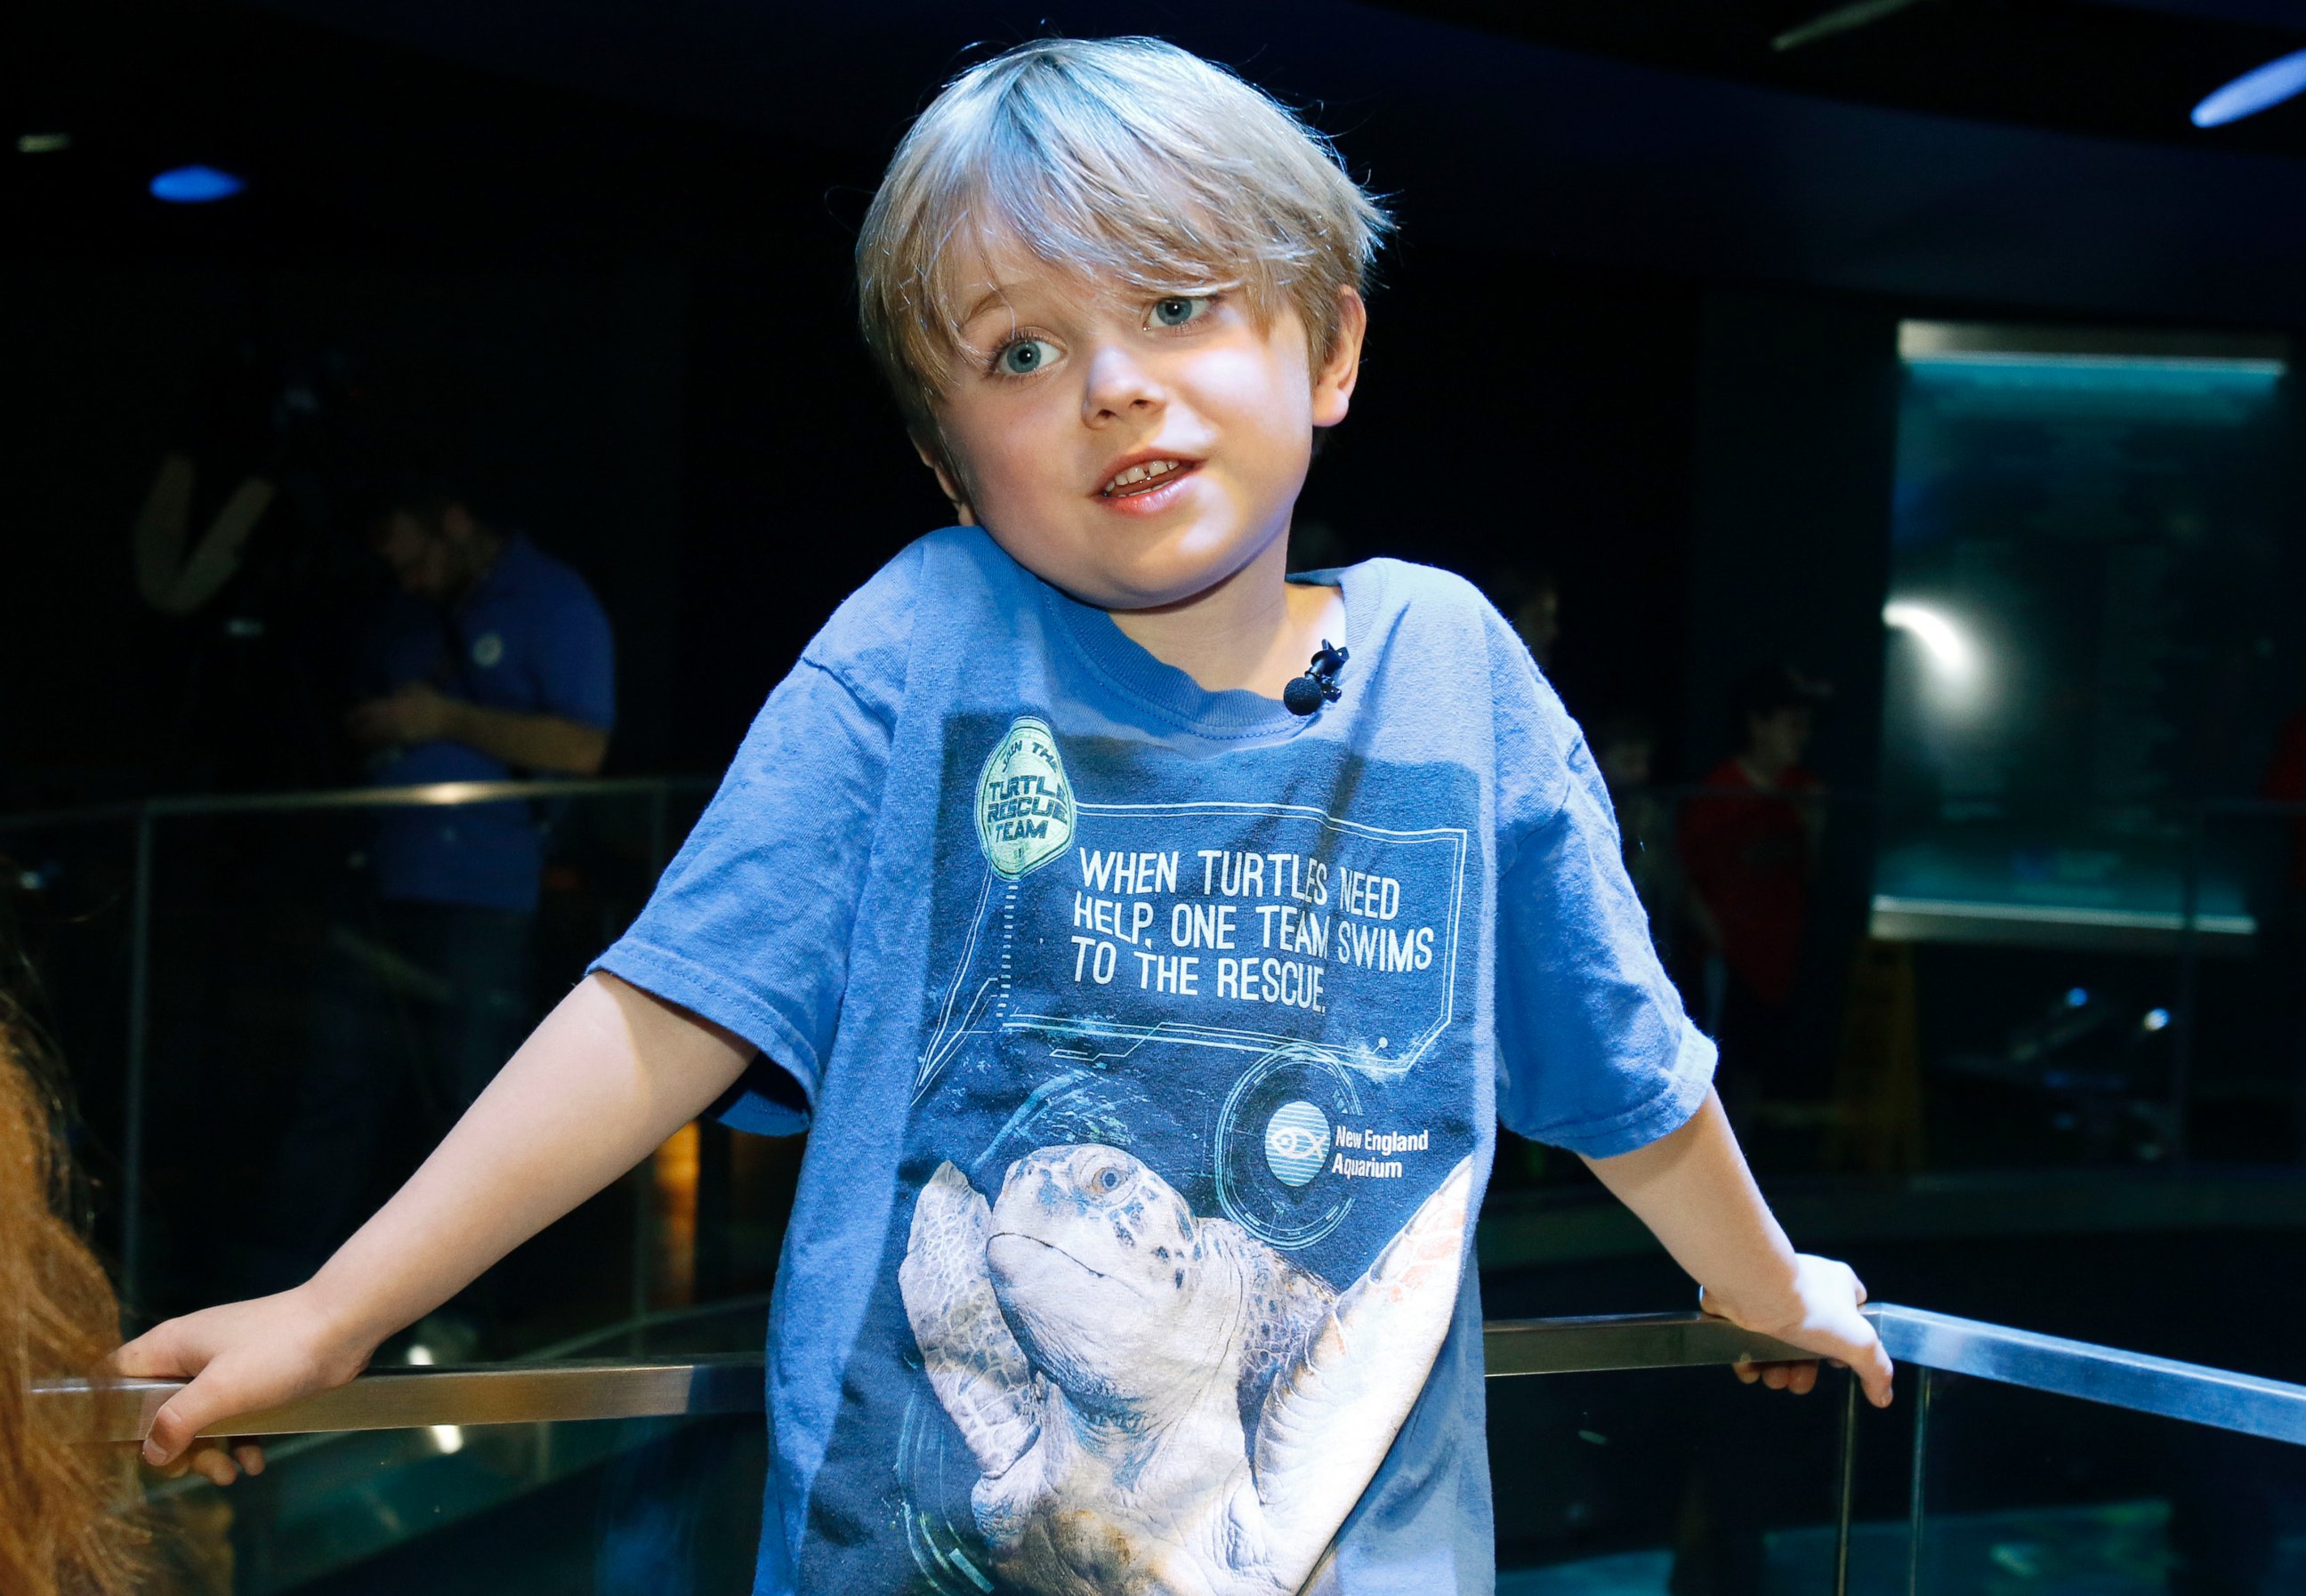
(1845, 1506)
(140, 1005)
(715, 1201)
(644, 1189)
(1917, 1495)
(643, 1179)
(2190, 967)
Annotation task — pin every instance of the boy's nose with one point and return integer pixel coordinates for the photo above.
(1119, 385)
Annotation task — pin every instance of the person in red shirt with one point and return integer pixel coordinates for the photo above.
(1748, 857)
(2286, 780)
(2283, 928)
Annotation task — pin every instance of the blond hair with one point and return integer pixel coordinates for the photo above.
(1125, 160)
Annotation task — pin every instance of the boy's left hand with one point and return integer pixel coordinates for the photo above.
(1821, 1316)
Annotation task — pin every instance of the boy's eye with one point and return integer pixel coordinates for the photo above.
(1177, 309)
(1024, 357)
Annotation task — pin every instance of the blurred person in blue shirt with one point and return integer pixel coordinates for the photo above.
(493, 660)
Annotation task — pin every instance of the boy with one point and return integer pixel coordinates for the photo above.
(1152, 1035)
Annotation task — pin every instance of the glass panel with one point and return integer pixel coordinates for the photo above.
(68, 901)
(2238, 1006)
(1915, 1038)
(2026, 1492)
(1766, 894)
(313, 1027)
(2084, 536)
(1638, 1482)
(612, 1508)
(1627, 1484)
(632, 1507)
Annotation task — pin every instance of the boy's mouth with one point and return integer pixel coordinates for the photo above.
(1143, 477)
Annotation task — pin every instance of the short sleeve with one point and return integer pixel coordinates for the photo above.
(750, 924)
(1595, 1053)
(577, 661)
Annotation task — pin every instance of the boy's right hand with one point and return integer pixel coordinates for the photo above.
(240, 1358)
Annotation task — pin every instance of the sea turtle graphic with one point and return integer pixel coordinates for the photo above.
(1160, 1405)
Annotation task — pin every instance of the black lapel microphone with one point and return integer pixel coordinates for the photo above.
(1318, 685)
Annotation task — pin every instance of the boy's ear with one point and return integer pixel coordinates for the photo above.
(932, 455)
(1333, 384)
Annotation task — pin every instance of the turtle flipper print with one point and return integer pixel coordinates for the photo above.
(974, 1364)
(1372, 1356)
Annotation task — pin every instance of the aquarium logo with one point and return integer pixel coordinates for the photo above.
(1296, 1141)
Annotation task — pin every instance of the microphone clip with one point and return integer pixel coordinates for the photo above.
(1318, 686)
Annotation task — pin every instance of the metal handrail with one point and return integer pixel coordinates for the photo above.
(416, 1398)
(543, 1392)
(439, 794)
(2195, 1393)
(425, 795)
(409, 1398)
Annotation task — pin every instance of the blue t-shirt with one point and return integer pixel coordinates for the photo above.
(1153, 1041)
(530, 638)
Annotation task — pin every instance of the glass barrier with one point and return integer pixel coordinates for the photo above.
(2236, 1025)
(1638, 1482)
(1622, 1484)
(68, 894)
(270, 1018)
(2027, 1491)
(238, 996)
(1613, 1465)
(442, 1480)
(653, 1507)
(2107, 989)
(209, 965)
(1629, 1465)
(2042, 1464)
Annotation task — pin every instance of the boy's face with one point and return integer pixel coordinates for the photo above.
(1063, 389)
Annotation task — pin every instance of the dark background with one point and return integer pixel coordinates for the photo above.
(1638, 328)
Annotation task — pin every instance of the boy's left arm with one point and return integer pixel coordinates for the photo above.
(1692, 1188)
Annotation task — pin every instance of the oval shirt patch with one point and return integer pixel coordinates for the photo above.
(1024, 805)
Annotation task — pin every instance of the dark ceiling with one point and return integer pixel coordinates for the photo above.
(2121, 68)
(2026, 152)
(2131, 69)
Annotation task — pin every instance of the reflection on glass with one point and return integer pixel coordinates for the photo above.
(1638, 1484)
(632, 1507)
(2020, 1491)
(2085, 539)
(2087, 640)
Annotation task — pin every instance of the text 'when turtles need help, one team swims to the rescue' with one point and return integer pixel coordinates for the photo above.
(1258, 927)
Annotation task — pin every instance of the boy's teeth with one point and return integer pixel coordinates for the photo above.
(1135, 474)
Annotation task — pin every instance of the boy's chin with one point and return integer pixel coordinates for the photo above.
(1144, 591)
(1136, 568)
(1116, 597)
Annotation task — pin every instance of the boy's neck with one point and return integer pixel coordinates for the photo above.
(1255, 629)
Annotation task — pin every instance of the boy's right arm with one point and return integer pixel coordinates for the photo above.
(610, 1074)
